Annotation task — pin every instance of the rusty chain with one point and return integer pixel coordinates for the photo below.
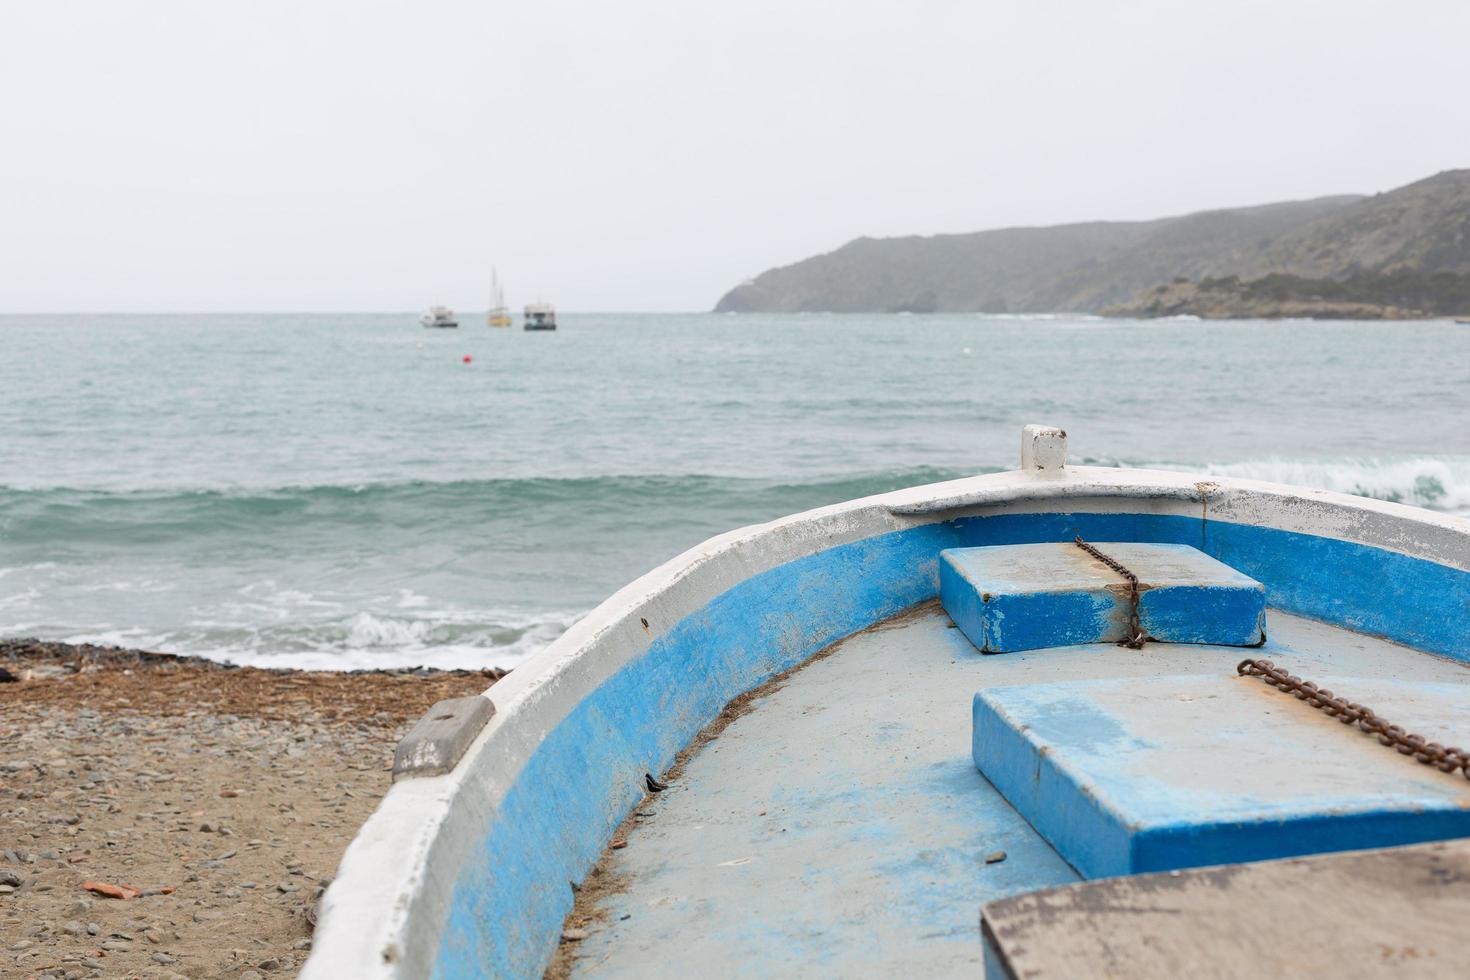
(1136, 637)
(1444, 758)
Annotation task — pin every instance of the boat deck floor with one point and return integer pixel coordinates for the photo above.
(841, 827)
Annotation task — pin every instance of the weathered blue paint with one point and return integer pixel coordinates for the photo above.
(554, 822)
(510, 899)
(1415, 602)
(995, 968)
(1220, 615)
(999, 615)
(1174, 771)
(1014, 597)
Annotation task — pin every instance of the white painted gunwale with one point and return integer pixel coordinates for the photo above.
(384, 913)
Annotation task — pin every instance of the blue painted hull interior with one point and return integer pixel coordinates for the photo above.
(586, 776)
(842, 826)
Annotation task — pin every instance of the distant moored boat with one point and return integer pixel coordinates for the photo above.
(499, 315)
(438, 316)
(540, 316)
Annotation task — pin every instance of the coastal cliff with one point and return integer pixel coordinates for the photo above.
(1117, 267)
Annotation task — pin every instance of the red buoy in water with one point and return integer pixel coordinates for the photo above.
(467, 358)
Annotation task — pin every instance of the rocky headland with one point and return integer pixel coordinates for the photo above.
(1420, 230)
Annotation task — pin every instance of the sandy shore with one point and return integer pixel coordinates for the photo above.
(222, 797)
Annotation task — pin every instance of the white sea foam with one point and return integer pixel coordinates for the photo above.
(409, 599)
(370, 640)
(1042, 317)
(106, 635)
(19, 600)
(141, 586)
(365, 631)
(269, 594)
(1435, 482)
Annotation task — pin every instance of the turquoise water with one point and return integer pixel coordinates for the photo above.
(345, 491)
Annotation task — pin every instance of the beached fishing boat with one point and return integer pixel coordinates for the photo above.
(438, 317)
(539, 316)
(785, 753)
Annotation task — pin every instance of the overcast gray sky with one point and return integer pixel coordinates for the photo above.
(649, 154)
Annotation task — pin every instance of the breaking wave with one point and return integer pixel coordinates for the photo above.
(1437, 483)
(473, 573)
(31, 515)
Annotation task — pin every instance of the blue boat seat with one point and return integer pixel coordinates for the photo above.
(1126, 775)
(1007, 598)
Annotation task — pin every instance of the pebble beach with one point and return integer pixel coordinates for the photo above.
(172, 817)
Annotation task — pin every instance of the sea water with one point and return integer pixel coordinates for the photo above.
(348, 491)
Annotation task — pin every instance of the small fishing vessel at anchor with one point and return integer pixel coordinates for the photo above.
(438, 317)
(539, 316)
(1054, 722)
